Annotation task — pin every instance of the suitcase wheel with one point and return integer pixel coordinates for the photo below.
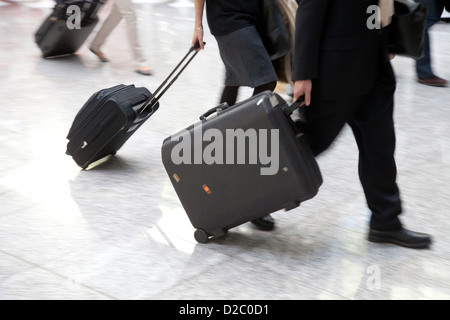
(201, 236)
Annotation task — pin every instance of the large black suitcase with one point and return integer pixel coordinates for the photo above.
(111, 116)
(59, 35)
(245, 162)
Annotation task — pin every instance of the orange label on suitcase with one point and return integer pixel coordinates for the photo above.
(207, 190)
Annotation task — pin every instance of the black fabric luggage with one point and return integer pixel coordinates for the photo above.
(105, 123)
(111, 116)
(59, 35)
(245, 162)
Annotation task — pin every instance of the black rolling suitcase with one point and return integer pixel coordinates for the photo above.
(110, 116)
(245, 162)
(60, 33)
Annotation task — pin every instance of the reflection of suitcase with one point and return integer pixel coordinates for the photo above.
(55, 38)
(110, 116)
(246, 162)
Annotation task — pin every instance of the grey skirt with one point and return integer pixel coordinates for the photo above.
(246, 60)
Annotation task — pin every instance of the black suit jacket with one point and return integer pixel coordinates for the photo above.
(335, 47)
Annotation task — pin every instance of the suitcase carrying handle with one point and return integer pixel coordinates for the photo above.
(221, 107)
(288, 109)
(173, 76)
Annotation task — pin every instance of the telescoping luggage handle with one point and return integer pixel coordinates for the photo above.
(165, 85)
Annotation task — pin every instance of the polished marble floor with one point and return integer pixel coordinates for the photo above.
(119, 231)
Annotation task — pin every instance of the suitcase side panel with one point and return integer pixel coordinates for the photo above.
(298, 151)
(238, 193)
(85, 152)
(107, 125)
(134, 122)
(91, 107)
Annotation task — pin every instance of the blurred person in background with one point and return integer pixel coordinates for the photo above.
(235, 25)
(121, 9)
(343, 70)
(424, 69)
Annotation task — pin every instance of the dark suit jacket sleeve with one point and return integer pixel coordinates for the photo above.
(308, 33)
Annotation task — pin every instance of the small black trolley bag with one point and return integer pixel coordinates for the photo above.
(111, 116)
(60, 34)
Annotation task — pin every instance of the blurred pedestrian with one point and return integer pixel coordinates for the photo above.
(121, 9)
(343, 70)
(424, 69)
(236, 26)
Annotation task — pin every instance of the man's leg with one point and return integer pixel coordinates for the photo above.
(373, 128)
(424, 68)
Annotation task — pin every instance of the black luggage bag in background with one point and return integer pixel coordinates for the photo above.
(111, 116)
(105, 122)
(59, 34)
(245, 163)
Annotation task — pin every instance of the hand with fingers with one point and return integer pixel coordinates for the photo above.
(302, 88)
(197, 39)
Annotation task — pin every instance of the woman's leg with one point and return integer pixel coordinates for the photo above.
(268, 86)
(229, 95)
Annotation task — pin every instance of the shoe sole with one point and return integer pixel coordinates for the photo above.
(101, 59)
(263, 227)
(420, 245)
(433, 85)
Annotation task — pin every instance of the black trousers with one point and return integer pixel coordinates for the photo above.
(371, 119)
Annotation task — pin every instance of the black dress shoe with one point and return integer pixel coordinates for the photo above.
(402, 237)
(265, 223)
